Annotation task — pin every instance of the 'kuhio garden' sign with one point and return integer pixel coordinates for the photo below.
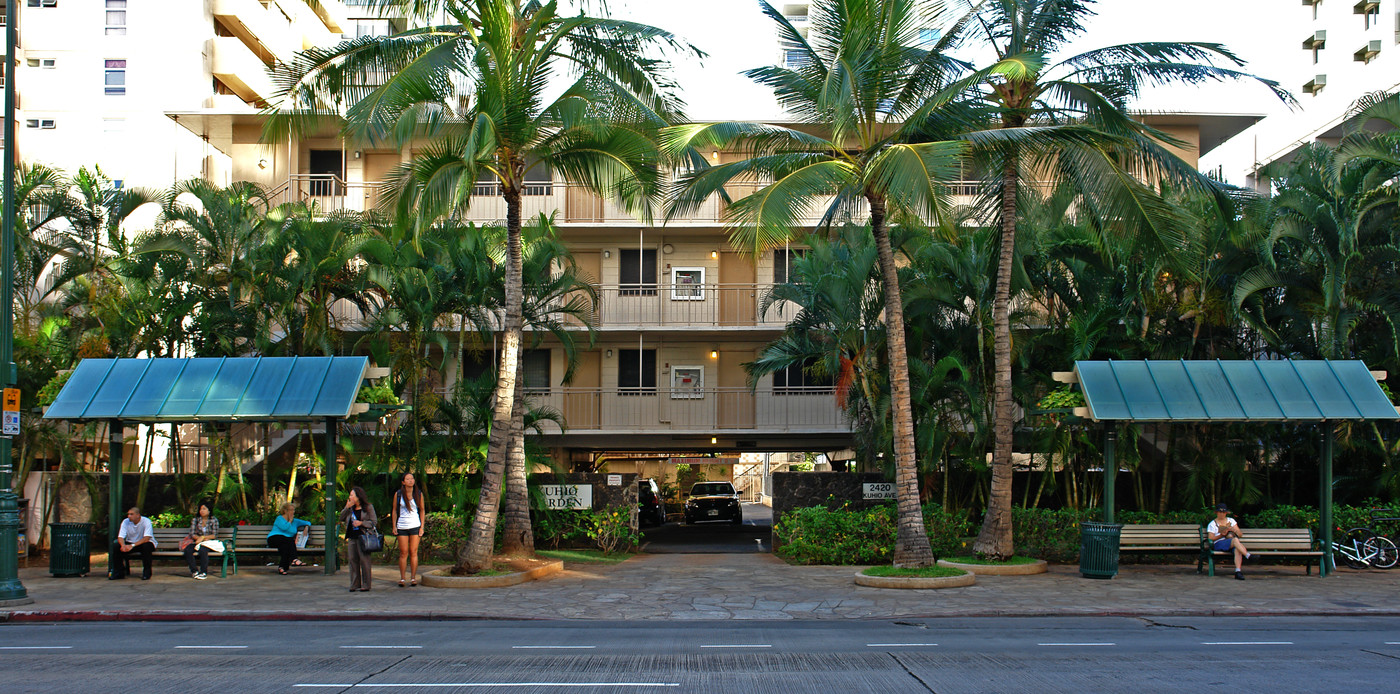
(572, 496)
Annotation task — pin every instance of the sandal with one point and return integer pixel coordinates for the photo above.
(412, 582)
(400, 583)
(282, 571)
(298, 562)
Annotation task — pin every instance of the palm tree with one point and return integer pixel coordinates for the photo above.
(1068, 119)
(869, 83)
(476, 80)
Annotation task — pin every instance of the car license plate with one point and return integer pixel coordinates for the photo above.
(712, 512)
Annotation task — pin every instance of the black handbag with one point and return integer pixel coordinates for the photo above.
(370, 541)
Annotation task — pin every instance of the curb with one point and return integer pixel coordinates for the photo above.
(1038, 566)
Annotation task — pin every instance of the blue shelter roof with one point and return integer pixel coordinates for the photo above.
(211, 389)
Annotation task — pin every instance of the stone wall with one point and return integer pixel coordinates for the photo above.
(804, 489)
(604, 496)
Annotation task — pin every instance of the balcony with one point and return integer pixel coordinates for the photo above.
(238, 68)
(264, 32)
(699, 306)
(709, 411)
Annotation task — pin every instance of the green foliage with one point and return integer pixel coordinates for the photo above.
(381, 393)
(1062, 398)
(611, 530)
(925, 572)
(584, 556)
(1052, 535)
(846, 536)
(175, 518)
(562, 527)
(50, 391)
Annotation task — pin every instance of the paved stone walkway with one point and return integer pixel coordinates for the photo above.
(708, 586)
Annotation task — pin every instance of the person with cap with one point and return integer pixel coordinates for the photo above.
(1224, 534)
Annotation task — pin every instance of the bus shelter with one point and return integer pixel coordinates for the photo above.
(1323, 392)
(215, 391)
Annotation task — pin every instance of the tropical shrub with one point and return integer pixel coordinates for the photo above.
(846, 536)
(611, 530)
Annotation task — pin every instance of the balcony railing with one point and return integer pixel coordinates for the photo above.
(698, 305)
(698, 410)
(571, 203)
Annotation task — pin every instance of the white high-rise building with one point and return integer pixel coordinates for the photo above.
(1343, 50)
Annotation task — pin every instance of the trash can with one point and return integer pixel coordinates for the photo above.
(1098, 550)
(69, 548)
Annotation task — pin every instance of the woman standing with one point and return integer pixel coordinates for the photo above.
(283, 537)
(358, 517)
(409, 512)
(204, 527)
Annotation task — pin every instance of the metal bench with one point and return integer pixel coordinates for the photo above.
(252, 539)
(1283, 542)
(168, 545)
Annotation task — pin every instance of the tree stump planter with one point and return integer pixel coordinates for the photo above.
(1036, 567)
(914, 582)
(443, 578)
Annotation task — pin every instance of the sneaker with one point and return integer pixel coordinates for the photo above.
(1248, 555)
(200, 576)
(1239, 576)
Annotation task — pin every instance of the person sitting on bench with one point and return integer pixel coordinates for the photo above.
(1224, 534)
(282, 537)
(134, 537)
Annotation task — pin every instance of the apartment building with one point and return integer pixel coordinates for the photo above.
(1339, 51)
(97, 78)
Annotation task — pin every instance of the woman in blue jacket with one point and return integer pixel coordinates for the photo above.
(283, 537)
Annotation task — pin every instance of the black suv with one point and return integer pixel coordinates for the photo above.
(713, 501)
(650, 508)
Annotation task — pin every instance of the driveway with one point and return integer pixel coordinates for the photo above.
(714, 538)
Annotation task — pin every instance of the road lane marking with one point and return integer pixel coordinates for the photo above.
(483, 685)
(32, 648)
(381, 646)
(898, 645)
(1077, 644)
(1388, 643)
(1246, 643)
(736, 645)
(554, 647)
(221, 647)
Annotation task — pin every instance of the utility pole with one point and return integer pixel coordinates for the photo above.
(11, 590)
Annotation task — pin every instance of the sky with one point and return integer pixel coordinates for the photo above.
(737, 36)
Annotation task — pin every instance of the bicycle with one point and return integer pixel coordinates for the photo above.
(1365, 547)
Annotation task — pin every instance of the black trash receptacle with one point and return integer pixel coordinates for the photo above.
(1098, 550)
(69, 549)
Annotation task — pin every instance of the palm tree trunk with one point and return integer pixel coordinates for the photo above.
(995, 539)
(519, 535)
(911, 543)
(475, 555)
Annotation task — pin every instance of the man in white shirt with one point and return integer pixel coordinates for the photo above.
(1225, 534)
(134, 538)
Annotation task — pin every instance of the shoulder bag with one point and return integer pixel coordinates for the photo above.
(370, 541)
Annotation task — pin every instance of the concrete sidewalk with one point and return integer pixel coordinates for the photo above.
(706, 586)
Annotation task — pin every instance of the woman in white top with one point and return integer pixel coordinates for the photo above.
(409, 512)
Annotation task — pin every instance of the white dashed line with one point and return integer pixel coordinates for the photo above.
(736, 645)
(217, 647)
(1246, 643)
(32, 648)
(1076, 644)
(898, 645)
(1388, 643)
(554, 647)
(483, 685)
(378, 647)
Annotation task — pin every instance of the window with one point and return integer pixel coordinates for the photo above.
(783, 260)
(115, 78)
(475, 364)
(799, 380)
(42, 63)
(534, 369)
(688, 284)
(637, 271)
(116, 17)
(42, 3)
(636, 371)
(41, 123)
(928, 37)
(794, 59)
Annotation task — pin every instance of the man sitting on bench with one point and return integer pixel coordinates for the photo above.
(135, 537)
(1224, 534)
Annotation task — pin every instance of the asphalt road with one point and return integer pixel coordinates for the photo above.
(954, 655)
(755, 535)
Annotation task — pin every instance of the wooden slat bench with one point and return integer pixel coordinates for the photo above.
(1279, 542)
(252, 539)
(1182, 538)
(168, 545)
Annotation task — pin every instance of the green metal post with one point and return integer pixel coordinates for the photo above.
(1325, 503)
(332, 518)
(115, 512)
(1110, 470)
(11, 590)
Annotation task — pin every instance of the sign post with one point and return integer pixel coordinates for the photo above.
(12, 592)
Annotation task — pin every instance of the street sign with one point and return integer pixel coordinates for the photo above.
(11, 400)
(11, 412)
(878, 490)
(11, 424)
(573, 496)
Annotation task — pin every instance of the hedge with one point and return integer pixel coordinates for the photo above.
(845, 536)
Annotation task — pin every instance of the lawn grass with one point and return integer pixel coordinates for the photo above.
(584, 556)
(927, 572)
(973, 559)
